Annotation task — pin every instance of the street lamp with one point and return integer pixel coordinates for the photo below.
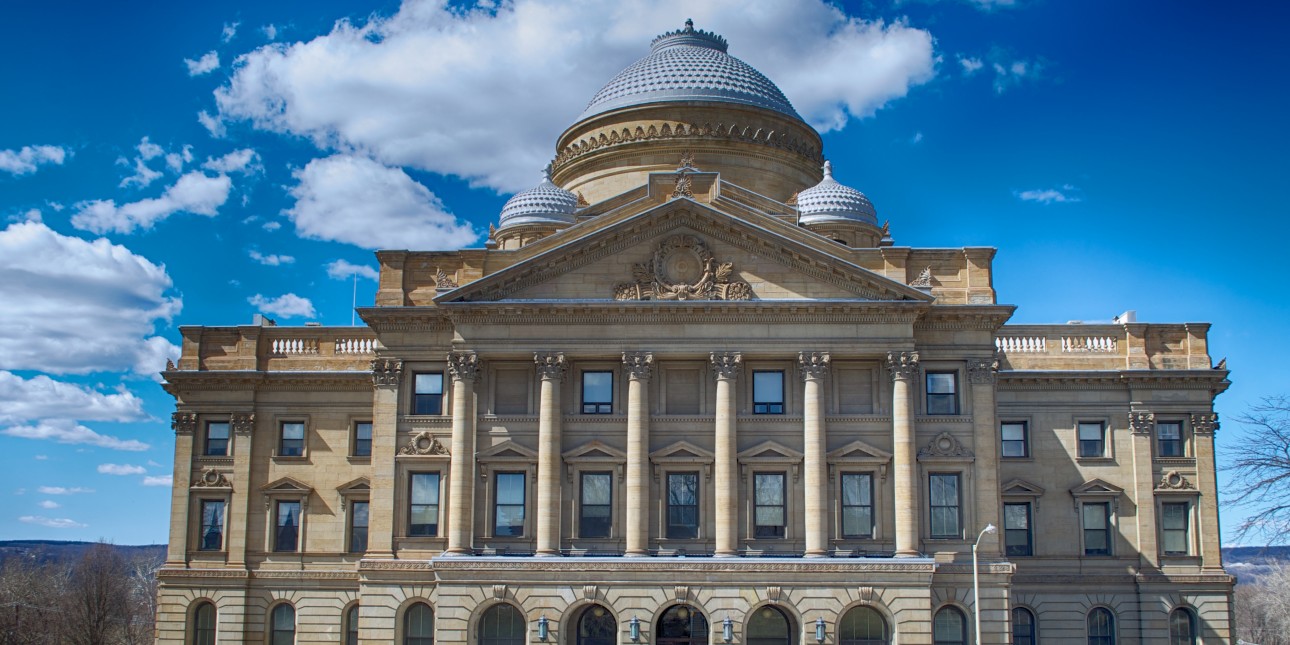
(976, 586)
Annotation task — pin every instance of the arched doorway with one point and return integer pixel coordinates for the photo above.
(863, 626)
(769, 626)
(682, 625)
(596, 626)
(501, 624)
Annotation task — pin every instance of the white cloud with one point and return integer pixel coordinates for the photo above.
(61, 490)
(208, 63)
(991, 5)
(359, 201)
(195, 192)
(1050, 195)
(40, 397)
(175, 160)
(159, 480)
(42, 457)
(971, 65)
(70, 432)
(916, 139)
(230, 30)
(74, 306)
(482, 94)
(270, 32)
(1010, 73)
(342, 270)
(121, 469)
(53, 523)
(271, 226)
(145, 174)
(271, 259)
(245, 161)
(29, 158)
(288, 305)
(212, 123)
(50, 504)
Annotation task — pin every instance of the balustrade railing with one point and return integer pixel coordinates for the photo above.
(294, 346)
(1098, 344)
(355, 345)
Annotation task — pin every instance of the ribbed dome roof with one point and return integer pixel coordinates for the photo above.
(689, 65)
(831, 201)
(545, 203)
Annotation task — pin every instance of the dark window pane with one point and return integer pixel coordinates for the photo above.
(1097, 535)
(293, 440)
(1101, 627)
(768, 626)
(509, 505)
(203, 625)
(216, 439)
(768, 505)
(284, 625)
(1182, 627)
(597, 392)
(418, 625)
(863, 626)
(212, 530)
(682, 505)
(363, 439)
(1169, 435)
(1173, 524)
(358, 519)
(683, 622)
(428, 393)
(351, 626)
(1092, 439)
(596, 505)
(768, 392)
(944, 492)
(288, 527)
(949, 627)
(597, 626)
(1014, 440)
(1016, 529)
(942, 393)
(423, 518)
(502, 625)
(1023, 627)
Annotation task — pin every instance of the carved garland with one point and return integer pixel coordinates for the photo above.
(423, 443)
(683, 268)
(212, 478)
(1173, 480)
(944, 445)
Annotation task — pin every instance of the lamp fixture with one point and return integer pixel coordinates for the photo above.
(727, 629)
(635, 627)
(544, 629)
(819, 629)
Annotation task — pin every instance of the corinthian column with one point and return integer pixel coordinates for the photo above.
(386, 375)
(903, 367)
(983, 374)
(550, 368)
(638, 367)
(464, 368)
(725, 366)
(815, 367)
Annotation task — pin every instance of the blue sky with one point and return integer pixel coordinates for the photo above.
(164, 164)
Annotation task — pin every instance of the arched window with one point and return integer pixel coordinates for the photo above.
(1182, 627)
(204, 624)
(596, 626)
(1023, 626)
(1101, 627)
(351, 626)
(682, 625)
(283, 625)
(863, 626)
(769, 626)
(418, 625)
(949, 627)
(501, 625)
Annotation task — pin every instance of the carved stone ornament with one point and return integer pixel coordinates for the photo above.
(774, 593)
(866, 594)
(902, 365)
(683, 268)
(726, 364)
(681, 593)
(243, 422)
(550, 366)
(1142, 423)
(684, 185)
(170, 365)
(814, 365)
(442, 280)
(1204, 423)
(464, 366)
(386, 372)
(582, 200)
(183, 422)
(1173, 480)
(589, 592)
(944, 445)
(423, 443)
(499, 592)
(212, 478)
(924, 279)
(983, 371)
(638, 365)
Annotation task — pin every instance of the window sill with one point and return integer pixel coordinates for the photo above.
(214, 459)
(360, 459)
(1095, 460)
(1027, 458)
(291, 459)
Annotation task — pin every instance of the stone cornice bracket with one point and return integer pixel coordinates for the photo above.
(386, 372)
(983, 371)
(638, 365)
(1204, 423)
(184, 422)
(1141, 423)
(551, 366)
(813, 365)
(902, 365)
(726, 365)
(463, 366)
(243, 422)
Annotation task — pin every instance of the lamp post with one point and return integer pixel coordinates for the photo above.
(976, 585)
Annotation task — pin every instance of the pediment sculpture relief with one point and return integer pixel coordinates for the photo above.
(683, 268)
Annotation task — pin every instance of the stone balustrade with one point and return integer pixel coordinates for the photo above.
(277, 348)
(1104, 347)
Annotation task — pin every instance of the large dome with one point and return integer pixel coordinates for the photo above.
(689, 65)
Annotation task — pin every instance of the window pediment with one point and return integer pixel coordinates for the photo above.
(682, 453)
(771, 453)
(1020, 488)
(286, 486)
(1097, 490)
(859, 452)
(507, 451)
(595, 450)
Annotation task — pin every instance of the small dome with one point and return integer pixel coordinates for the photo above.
(545, 203)
(830, 201)
(689, 65)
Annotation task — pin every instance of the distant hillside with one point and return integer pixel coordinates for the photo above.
(57, 550)
(1249, 562)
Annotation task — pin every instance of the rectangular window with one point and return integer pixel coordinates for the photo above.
(857, 505)
(1092, 439)
(358, 518)
(363, 439)
(595, 505)
(212, 535)
(287, 536)
(423, 516)
(597, 392)
(1169, 438)
(509, 505)
(1173, 526)
(942, 393)
(1016, 529)
(216, 439)
(1015, 439)
(682, 505)
(768, 392)
(427, 393)
(945, 501)
(292, 443)
(1097, 528)
(768, 505)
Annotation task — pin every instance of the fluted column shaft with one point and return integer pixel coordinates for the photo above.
(638, 367)
(815, 367)
(550, 369)
(904, 367)
(725, 367)
(464, 367)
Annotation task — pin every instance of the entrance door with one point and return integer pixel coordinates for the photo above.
(682, 625)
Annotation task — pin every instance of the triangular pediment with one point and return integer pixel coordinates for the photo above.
(1096, 488)
(595, 450)
(859, 451)
(1021, 488)
(286, 485)
(681, 450)
(507, 450)
(360, 485)
(770, 451)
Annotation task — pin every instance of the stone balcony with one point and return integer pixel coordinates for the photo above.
(285, 349)
(1132, 346)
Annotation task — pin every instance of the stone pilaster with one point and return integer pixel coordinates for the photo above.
(464, 369)
(387, 374)
(814, 367)
(239, 511)
(638, 367)
(1203, 426)
(725, 498)
(1142, 426)
(904, 367)
(550, 371)
(185, 427)
(982, 375)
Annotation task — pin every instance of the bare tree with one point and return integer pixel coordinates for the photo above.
(1260, 470)
(1262, 608)
(29, 591)
(96, 602)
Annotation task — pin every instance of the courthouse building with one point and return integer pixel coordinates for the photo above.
(692, 391)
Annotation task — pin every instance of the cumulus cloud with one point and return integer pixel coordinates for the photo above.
(121, 469)
(481, 94)
(61, 490)
(358, 201)
(143, 173)
(208, 63)
(270, 259)
(40, 397)
(27, 159)
(245, 161)
(971, 65)
(75, 306)
(342, 270)
(51, 522)
(49, 504)
(159, 480)
(1066, 194)
(69, 432)
(269, 31)
(230, 30)
(288, 305)
(212, 123)
(194, 192)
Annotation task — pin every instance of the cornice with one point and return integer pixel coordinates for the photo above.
(965, 317)
(405, 319)
(188, 380)
(601, 312)
(1112, 379)
(683, 565)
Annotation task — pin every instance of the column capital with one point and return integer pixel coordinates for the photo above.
(243, 422)
(1204, 423)
(813, 365)
(726, 365)
(386, 372)
(184, 422)
(983, 371)
(902, 365)
(550, 365)
(638, 365)
(1142, 422)
(464, 366)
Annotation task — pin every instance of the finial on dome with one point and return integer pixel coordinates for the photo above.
(689, 36)
(546, 173)
(689, 24)
(828, 170)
